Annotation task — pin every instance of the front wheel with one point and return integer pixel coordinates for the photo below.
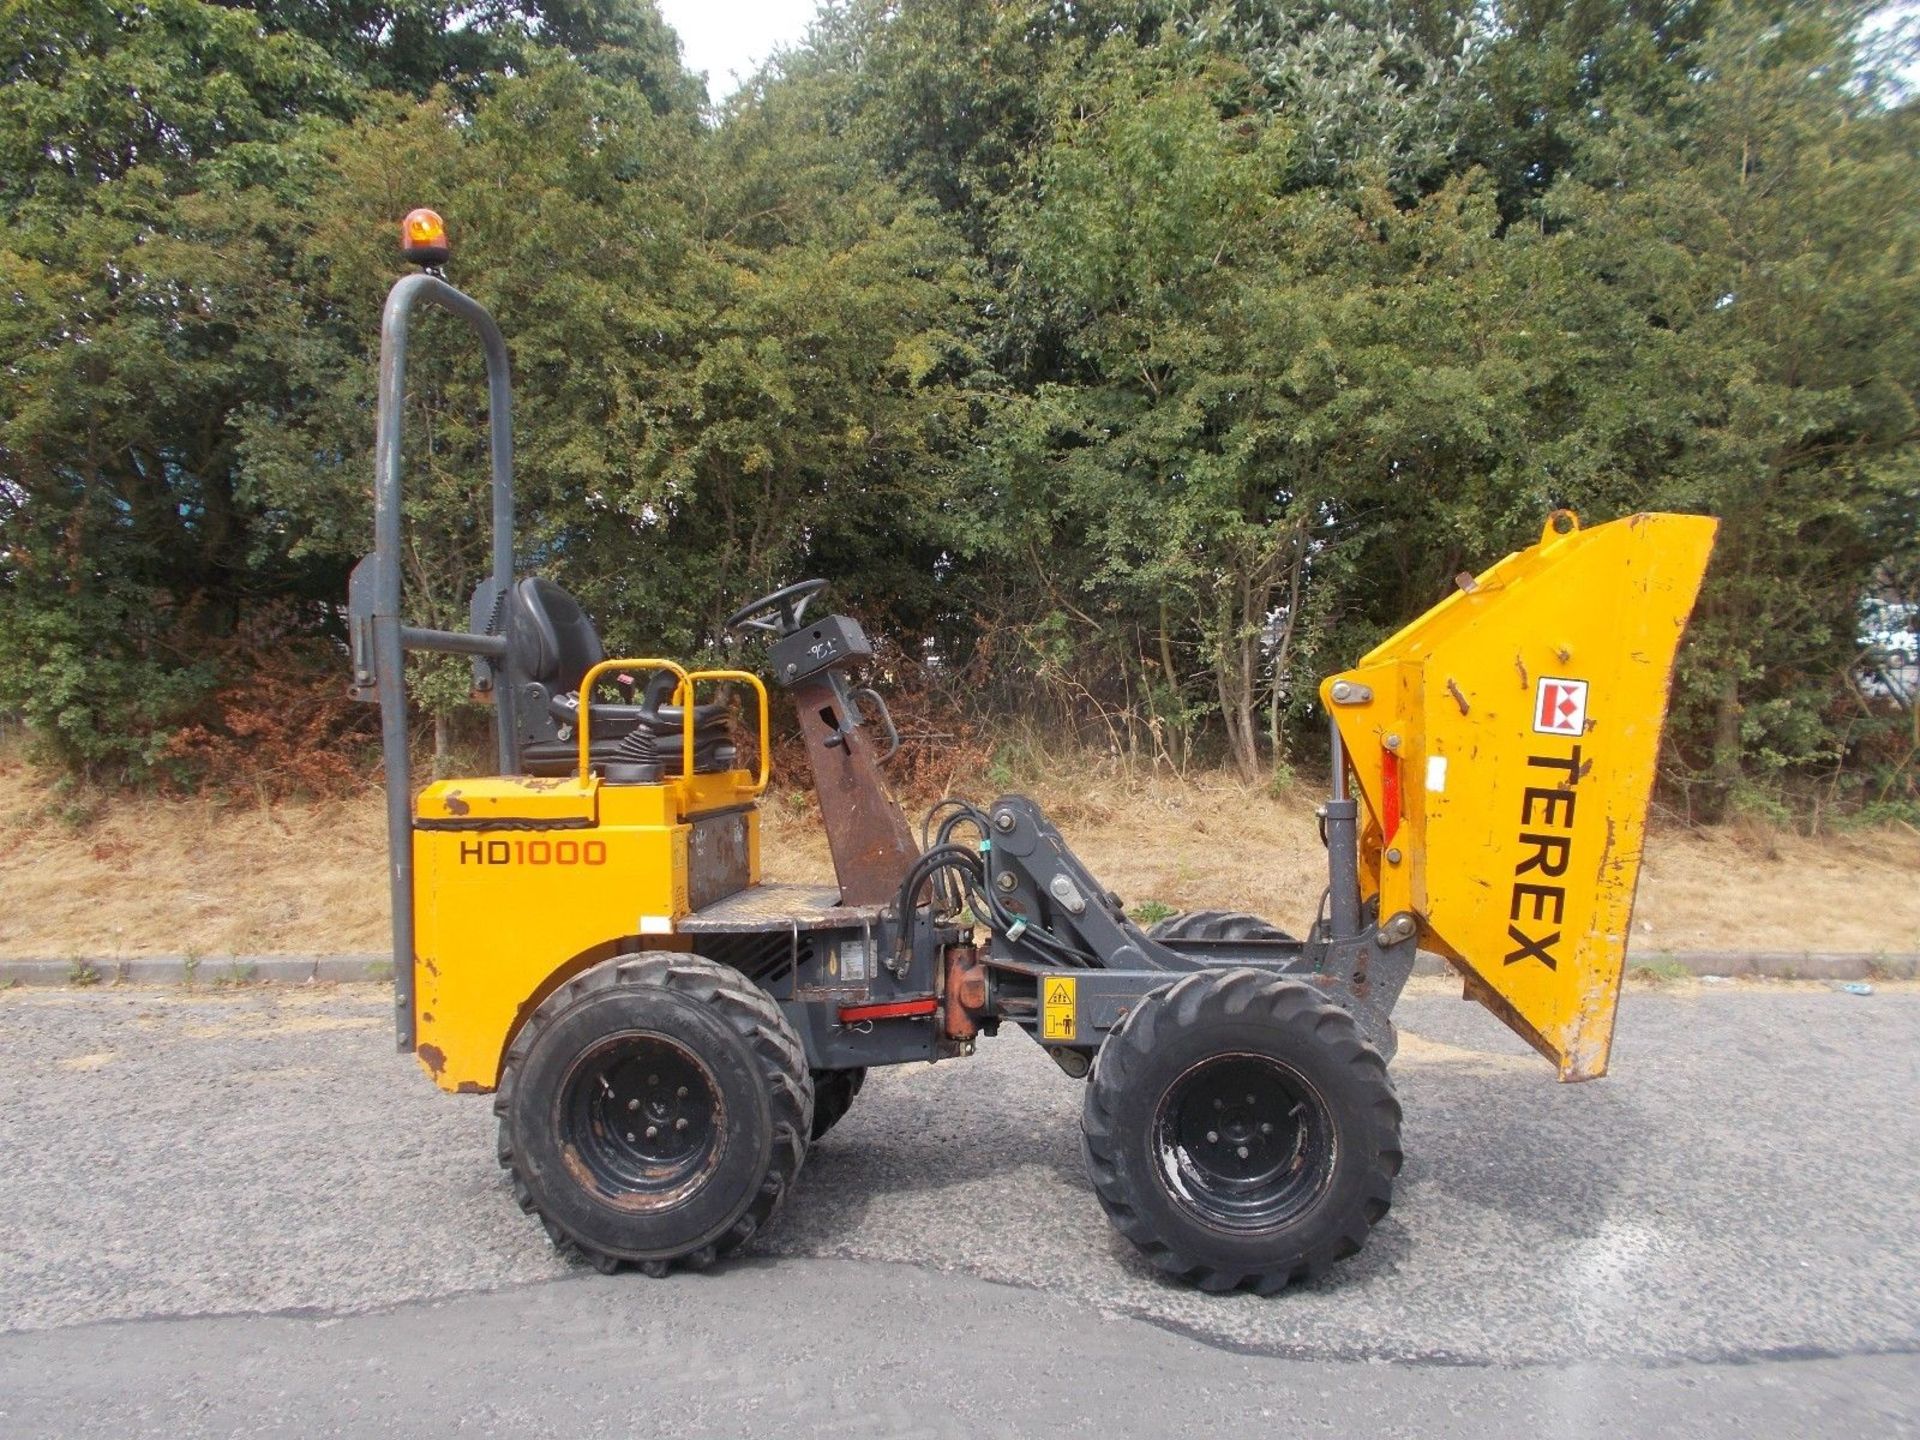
(654, 1109)
(1240, 1131)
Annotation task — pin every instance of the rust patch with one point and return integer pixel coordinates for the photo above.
(469, 1087)
(433, 1057)
(650, 1201)
(1458, 698)
(455, 805)
(1521, 666)
(1607, 862)
(1586, 769)
(966, 999)
(869, 838)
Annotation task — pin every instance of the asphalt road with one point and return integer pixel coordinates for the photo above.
(240, 1212)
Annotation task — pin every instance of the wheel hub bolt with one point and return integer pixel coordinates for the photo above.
(633, 1104)
(680, 1124)
(629, 1136)
(1265, 1128)
(681, 1092)
(653, 1132)
(1213, 1137)
(1241, 1152)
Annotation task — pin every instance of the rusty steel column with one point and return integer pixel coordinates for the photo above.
(871, 841)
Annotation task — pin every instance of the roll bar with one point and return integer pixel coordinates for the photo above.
(377, 637)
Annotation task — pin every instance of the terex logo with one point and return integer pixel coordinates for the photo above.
(1560, 707)
(1537, 905)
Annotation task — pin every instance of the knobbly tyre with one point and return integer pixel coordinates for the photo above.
(586, 935)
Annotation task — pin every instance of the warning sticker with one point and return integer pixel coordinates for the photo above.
(1560, 707)
(1059, 998)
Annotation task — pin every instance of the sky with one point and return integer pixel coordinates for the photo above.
(729, 38)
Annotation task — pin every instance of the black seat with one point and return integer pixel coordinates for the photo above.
(551, 645)
(550, 640)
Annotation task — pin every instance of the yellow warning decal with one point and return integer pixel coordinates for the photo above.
(1058, 1002)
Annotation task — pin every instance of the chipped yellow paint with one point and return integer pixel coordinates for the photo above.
(1521, 719)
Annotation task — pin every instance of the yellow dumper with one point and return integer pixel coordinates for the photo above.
(586, 935)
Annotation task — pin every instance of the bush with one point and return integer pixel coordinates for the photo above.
(99, 680)
(281, 725)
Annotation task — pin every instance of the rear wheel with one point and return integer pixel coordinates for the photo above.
(833, 1092)
(654, 1109)
(1240, 1131)
(1216, 925)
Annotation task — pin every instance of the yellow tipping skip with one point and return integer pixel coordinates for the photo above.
(1504, 747)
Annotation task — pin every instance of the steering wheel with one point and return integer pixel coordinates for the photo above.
(779, 613)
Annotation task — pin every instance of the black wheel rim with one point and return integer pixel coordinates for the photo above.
(1244, 1143)
(644, 1117)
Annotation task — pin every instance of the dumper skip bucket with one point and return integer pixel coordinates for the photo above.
(1503, 746)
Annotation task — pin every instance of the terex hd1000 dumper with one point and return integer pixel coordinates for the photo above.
(585, 933)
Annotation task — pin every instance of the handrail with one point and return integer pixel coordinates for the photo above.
(683, 697)
(766, 744)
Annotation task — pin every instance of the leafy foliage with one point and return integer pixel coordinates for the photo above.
(1132, 362)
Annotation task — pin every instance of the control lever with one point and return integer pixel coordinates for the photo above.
(886, 719)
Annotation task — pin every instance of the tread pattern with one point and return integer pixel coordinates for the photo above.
(754, 1016)
(1190, 1003)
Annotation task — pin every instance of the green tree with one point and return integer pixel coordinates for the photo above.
(1755, 240)
(125, 540)
(411, 46)
(733, 359)
(157, 163)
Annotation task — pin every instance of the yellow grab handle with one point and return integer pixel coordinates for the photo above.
(766, 747)
(683, 697)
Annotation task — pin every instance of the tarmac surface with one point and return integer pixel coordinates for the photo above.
(238, 1211)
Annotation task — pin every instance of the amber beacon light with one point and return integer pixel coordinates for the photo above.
(423, 238)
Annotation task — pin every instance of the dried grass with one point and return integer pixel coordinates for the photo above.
(108, 877)
(118, 876)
